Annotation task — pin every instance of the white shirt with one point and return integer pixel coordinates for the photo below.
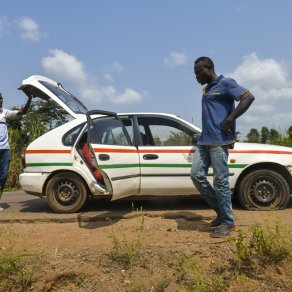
(5, 113)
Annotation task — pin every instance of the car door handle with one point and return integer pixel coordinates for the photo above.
(103, 157)
(150, 156)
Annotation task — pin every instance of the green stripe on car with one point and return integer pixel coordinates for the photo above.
(111, 166)
(49, 164)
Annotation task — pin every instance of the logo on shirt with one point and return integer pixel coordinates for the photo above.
(211, 93)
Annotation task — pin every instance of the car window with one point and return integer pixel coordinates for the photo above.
(128, 123)
(110, 131)
(160, 131)
(70, 137)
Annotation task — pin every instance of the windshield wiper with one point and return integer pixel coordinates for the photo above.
(75, 98)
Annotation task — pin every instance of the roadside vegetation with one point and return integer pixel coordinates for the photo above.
(252, 254)
(265, 245)
(17, 268)
(258, 259)
(41, 118)
(128, 252)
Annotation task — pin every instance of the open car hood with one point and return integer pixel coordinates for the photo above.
(47, 89)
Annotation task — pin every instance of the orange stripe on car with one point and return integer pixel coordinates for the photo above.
(260, 152)
(165, 151)
(114, 150)
(142, 150)
(120, 150)
(48, 151)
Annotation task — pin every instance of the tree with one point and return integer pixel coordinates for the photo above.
(178, 139)
(289, 132)
(253, 136)
(265, 135)
(41, 118)
(275, 137)
(270, 136)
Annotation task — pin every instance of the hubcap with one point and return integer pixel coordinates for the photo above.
(66, 192)
(264, 192)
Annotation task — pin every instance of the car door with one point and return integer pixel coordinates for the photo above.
(165, 155)
(114, 154)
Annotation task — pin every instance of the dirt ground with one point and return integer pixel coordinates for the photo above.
(142, 253)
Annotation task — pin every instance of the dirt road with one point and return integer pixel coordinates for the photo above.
(144, 246)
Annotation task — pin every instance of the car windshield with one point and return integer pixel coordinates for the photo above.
(70, 100)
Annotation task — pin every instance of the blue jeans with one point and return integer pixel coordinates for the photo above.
(4, 166)
(217, 196)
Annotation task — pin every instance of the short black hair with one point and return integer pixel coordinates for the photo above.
(208, 62)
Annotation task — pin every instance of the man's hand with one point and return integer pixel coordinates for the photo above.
(226, 127)
(24, 109)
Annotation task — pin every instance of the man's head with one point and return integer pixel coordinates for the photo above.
(204, 70)
(1, 100)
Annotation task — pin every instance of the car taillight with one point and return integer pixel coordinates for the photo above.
(23, 160)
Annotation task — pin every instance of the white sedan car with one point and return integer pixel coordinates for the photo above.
(105, 154)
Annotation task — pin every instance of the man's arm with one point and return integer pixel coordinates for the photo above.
(244, 103)
(24, 109)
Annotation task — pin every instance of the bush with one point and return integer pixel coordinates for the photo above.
(268, 244)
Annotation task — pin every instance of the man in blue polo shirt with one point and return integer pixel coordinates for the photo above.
(4, 146)
(218, 135)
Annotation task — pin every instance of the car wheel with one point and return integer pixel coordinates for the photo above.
(263, 190)
(66, 193)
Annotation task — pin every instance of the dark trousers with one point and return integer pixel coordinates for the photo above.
(4, 167)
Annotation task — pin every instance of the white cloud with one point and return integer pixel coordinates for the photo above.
(127, 97)
(267, 78)
(115, 68)
(268, 81)
(30, 29)
(282, 120)
(64, 65)
(118, 67)
(175, 59)
(4, 26)
(67, 67)
(263, 108)
(92, 93)
(108, 77)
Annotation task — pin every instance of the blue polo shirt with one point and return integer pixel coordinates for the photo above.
(217, 103)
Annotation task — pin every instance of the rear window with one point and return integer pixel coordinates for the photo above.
(69, 99)
(70, 137)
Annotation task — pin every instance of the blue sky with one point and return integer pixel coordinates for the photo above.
(138, 55)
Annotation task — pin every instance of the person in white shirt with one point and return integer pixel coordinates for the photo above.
(4, 145)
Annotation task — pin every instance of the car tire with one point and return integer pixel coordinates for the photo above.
(263, 189)
(66, 193)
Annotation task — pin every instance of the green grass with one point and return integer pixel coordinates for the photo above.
(270, 244)
(190, 275)
(127, 252)
(17, 268)
(16, 271)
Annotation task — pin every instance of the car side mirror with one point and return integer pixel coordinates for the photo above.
(195, 138)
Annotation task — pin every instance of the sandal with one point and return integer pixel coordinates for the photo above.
(222, 231)
(215, 223)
